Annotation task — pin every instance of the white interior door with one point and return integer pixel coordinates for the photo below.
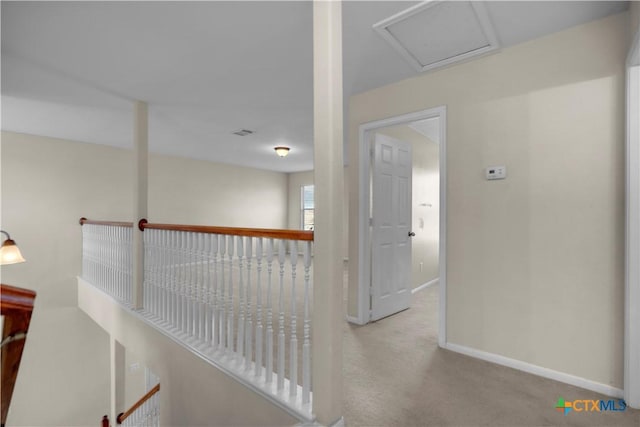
(390, 227)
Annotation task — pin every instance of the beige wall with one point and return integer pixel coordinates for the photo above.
(188, 191)
(47, 185)
(134, 378)
(295, 182)
(425, 191)
(534, 262)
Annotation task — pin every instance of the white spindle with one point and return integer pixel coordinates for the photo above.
(293, 355)
(269, 334)
(240, 341)
(175, 278)
(281, 260)
(200, 287)
(230, 316)
(208, 295)
(223, 302)
(259, 332)
(197, 281)
(306, 343)
(183, 281)
(248, 330)
(148, 275)
(190, 284)
(215, 321)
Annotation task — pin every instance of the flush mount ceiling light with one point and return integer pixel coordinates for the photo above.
(281, 151)
(434, 34)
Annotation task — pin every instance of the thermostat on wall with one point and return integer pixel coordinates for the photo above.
(496, 172)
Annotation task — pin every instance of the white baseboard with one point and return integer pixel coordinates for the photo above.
(425, 285)
(355, 320)
(537, 370)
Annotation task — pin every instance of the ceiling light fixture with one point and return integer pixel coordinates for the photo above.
(281, 151)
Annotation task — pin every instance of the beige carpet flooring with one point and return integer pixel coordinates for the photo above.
(396, 375)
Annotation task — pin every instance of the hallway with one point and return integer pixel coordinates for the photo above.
(396, 375)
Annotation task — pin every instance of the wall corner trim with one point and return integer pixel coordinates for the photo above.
(355, 320)
(537, 370)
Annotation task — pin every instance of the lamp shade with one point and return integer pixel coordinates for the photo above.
(9, 253)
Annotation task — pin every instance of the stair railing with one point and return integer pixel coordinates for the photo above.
(241, 297)
(107, 261)
(16, 307)
(145, 412)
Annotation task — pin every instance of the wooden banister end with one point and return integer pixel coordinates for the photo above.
(82, 221)
(119, 418)
(142, 223)
(105, 421)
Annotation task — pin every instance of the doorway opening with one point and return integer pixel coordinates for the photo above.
(425, 133)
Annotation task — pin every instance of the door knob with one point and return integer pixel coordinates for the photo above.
(411, 234)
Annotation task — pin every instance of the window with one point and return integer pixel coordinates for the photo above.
(307, 207)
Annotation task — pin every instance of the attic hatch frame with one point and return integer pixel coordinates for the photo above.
(382, 28)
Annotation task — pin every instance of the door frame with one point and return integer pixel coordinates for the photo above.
(632, 265)
(364, 240)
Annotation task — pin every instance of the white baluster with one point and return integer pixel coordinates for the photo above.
(188, 264)
(240, 337)
(147, 276)
(151, 244)
(293, 342)
(259, 331)
(269, 333)
(208, 289)
(178, 278)
(216, 306)
(306, 343)
(223, 302)
(248, 330)
(175, 280)
(230, 316)
(197, 271)
(195, 286)
(166, 278)
(281, 259)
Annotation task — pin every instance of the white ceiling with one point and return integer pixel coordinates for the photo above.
(71, 69)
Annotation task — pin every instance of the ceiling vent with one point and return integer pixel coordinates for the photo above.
(243, 132)
(434, 34)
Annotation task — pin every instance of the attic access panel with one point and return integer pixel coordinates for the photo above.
(434, 34)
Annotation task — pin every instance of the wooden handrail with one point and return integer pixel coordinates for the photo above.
(271, 233)
(124, 415)
(84, 221)
(16, 305)
(233, 231)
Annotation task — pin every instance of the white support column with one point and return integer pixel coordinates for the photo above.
(140, 184)
(117, 378)
(328, 177)
(632, 286)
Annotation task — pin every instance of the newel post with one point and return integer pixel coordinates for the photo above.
(328, 315)
(140, 185)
